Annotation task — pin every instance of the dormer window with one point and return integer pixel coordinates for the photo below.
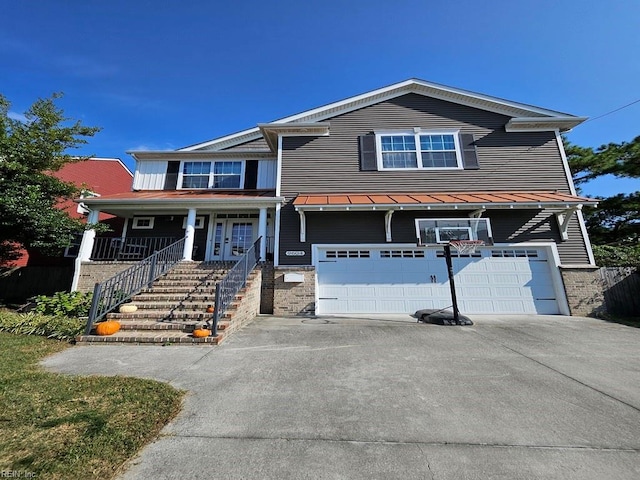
(207, 175)
(418, 150)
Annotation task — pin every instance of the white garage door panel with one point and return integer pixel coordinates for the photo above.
(500, 281)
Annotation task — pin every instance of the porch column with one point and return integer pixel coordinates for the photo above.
(190, 233)
(262, 232)
(88, 237)
(86, 247)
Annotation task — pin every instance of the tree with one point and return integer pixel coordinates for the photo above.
(29, 151)
(619, 159)
(614, 225)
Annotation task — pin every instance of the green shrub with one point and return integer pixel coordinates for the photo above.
(68, 304)
(617, 255)
(58, 327)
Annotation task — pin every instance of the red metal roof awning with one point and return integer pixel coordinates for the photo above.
(470, 200)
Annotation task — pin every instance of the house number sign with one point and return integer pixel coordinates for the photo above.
(295, 253)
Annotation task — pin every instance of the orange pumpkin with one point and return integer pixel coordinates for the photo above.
(201, 332)
(107, 328)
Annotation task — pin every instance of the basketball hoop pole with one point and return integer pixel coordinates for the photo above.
(452, 284)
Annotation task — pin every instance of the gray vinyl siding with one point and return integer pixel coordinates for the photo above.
(509, 226)
(508, 161)
(258, 144)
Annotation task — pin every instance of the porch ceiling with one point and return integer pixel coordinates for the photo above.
(441, 200)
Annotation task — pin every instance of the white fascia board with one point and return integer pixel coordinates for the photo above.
(181, 201)
(202, 154)
(226, 141)
(443, 92)
(542, 124)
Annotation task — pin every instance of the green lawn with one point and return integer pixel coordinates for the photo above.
(59, 427)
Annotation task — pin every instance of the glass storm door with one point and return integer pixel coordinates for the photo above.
(239, 238)
(231, 238)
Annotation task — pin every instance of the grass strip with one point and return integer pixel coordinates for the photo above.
(59, 427)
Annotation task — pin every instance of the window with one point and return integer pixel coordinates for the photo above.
(142, 223)
(196, 174)
(227, 174)
(74, 246)
(199, 175)
(418, 150)
(199, 222)
(348, 254)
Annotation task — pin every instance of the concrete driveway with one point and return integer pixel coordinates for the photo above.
(386, 398)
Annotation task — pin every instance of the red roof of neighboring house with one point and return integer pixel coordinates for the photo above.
(103, 176)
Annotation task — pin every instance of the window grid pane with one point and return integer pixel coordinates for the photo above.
(436, 151)
(227, 174)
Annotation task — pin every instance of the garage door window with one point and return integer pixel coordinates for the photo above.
(508, 253)
(456, 254)
(402, 253)
(348, 254)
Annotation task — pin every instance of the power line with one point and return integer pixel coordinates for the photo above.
(612, 111)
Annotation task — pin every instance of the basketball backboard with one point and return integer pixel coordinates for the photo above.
(438, 231)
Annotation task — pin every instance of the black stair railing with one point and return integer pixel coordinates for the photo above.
(121, 287)
(234, 280)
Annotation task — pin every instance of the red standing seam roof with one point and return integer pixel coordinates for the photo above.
(440, 198)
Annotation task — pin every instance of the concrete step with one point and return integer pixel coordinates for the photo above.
(150, 337)
(148, 325)
(161, 315)
(181, 289)
(202, 297)
(180, 306)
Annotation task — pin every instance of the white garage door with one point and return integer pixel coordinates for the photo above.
(384, 280)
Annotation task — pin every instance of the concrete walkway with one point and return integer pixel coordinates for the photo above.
(386, 398)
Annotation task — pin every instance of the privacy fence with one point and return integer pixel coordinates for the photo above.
(621, 286)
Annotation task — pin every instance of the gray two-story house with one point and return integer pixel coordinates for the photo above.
(339, 194)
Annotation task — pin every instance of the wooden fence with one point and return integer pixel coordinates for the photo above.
(18, 284)
(621, 287)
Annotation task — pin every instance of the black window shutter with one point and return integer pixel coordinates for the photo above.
(171, 178)
(251, 175)
(368, 157)
(469, 153)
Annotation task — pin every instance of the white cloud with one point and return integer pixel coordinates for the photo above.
(18, 116)
(151, 147)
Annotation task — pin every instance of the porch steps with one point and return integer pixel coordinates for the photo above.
(169, 311)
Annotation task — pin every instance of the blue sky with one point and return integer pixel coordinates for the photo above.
(165, 74)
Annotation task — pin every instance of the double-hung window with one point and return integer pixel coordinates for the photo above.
(219, 174)
(196, 174)
(418, 150)
(227, 174)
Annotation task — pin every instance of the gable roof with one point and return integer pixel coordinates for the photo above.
(102, 176)
(523, 117)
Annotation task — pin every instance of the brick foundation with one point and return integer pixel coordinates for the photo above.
(97, 272)
(248, 305)
(266, 304)
(584, 290)
(296, 298)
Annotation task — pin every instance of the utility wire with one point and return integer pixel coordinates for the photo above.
(612, 111)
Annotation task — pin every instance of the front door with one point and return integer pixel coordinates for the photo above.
(231, 238)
